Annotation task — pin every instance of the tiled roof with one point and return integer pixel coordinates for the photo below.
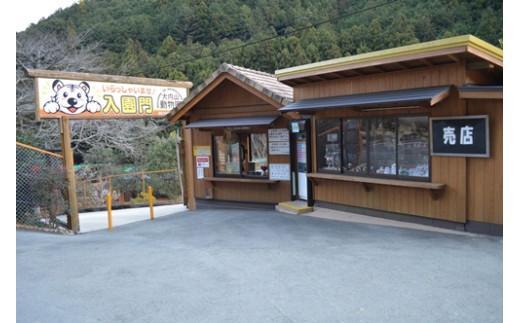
(261, 81)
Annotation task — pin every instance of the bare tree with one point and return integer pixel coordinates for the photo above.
(38, 50)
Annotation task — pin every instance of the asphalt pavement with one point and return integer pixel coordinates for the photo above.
(258, 266)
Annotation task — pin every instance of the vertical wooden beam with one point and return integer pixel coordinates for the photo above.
(180, 155)
(68, 159)
(188, 171)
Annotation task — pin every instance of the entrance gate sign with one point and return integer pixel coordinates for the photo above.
(460, 136)
(88, 98)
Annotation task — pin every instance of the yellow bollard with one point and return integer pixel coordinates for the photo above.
(150, 201)
(109, 209)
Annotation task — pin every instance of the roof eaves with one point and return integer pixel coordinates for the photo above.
(462, 42)
(234, 71)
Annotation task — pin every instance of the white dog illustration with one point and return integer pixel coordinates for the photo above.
(71, 99)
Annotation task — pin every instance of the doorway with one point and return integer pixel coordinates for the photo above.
(301, 160)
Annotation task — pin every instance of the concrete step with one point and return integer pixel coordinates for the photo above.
(294, 207)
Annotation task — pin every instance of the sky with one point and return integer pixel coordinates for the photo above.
(31, 11)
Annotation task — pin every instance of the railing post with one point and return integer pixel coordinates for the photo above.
(109, 210)
(150, 201)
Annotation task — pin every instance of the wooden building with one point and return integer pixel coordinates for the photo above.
(412, 132)
(236, 144)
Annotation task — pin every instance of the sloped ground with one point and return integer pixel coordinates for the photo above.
(258, 266)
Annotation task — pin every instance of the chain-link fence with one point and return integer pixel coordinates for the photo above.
(41, 191)
(129, 189)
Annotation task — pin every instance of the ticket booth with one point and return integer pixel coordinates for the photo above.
(237, 145)
(413, 133)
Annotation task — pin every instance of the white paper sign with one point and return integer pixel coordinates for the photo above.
(202, 161)
(279, 148)
(280, 172)
(281, 134)
(200, 173)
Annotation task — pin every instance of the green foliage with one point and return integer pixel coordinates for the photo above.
(155, 38)
(161, 154)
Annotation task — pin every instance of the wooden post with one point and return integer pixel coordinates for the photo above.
(178, 152)
(150, 201)
(188, 171)
(109, 210)
(68, 159)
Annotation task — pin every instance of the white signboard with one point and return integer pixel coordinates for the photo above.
(279, 148)
(83, 99)
(281, 134)
(279, 141)
(281, 172)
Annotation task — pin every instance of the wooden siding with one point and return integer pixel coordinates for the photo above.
(229, 100)
(485, 184)
(464, 177)
(422, 77)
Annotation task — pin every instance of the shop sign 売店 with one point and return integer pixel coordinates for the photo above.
(466, 136)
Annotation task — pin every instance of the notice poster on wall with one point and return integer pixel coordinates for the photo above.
(280, 134)
(200, 173)
(280, 172)
(279, 141)
(201, 150)
(202, 161)
(279, 148)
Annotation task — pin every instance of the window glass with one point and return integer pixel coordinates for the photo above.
(413, 153)
(227, 159)
(354, 146)
(258, 162)
(382, 146)
(328, 145)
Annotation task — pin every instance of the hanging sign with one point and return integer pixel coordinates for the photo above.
(280, 172)
(460, 136)
(278, 141)
(90, 96)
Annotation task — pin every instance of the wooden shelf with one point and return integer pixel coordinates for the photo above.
(367, 182)
(240, 180)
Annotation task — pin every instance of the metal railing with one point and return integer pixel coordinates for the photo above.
(129, 189)
(41, 192)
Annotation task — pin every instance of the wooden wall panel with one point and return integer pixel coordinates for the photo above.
(432, 76)
(229, 100)
(485, 184)
(202, 189)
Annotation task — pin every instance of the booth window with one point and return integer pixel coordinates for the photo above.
(329, 149)
(413, 152)
(227, 156)
(241, 154)
(377, 147)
